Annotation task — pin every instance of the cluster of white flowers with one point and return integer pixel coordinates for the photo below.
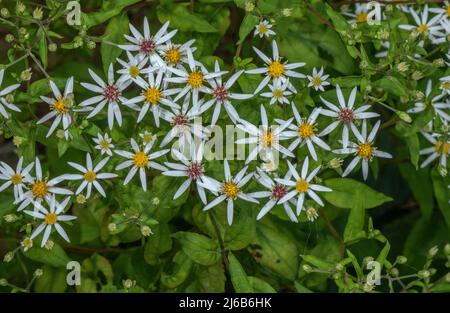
(166, 74)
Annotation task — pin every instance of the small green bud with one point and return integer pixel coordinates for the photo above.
(49, 245)
(337, 276)
(128, 283)
(9, 38)
(368, 287)
(447, 249)
(404, 116)
(20, 7)
(339, 267)
(432, 252)
(307, 268)
(38, 13)
(394, 272)
(146, 231)
(4, 12)
(423, 274)
(81, 199)
(3, 282)
(401, 259)
(442, 170)
(25, 75)
(9, 218)
(112, 227)
(91, 44)
(249, 6)
(52, 47)
(38, 273)
(8, 257)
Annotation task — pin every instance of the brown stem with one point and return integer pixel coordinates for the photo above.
(333, 230)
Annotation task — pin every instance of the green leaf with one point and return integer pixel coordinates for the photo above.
(238, 275)
(392, 85)
(260, 286)
(247, 25)
(242, 232)
(157, 244)
(110, 8)
(210, 278)
(442, 194)
(183, 19)
(55, 257)
(43, 52)
(199, 248)
(318, 262)
(117, 27)
(179, 273)
(52, 280)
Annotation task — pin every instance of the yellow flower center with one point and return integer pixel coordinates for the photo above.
(276, 69)
(262, 28)
(60, 106)
(195, 79)
(422, 28)
(16, 179)
(173, 56)
(365, 150)
(361, 17)
(152, 95)
(134, 71)
(316, 81)
(278, 93)
(442, 147)
(267, 138)
(230, 189)
(445, 85)
(302, 185)
(448, 10)
(140, 159)
(51, 218)
(39, 189)
(305, 130)
(90, 176)
(104, 144)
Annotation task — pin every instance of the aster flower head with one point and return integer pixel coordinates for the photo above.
(90, 176)
(175, 55)
(4, 104)
(139, 160)
(318, 80)
(431, 28)
(109, 93)
(134, 68)
(51, 218)
(266, 138)
(345, 114)
(278, 92)
(104, 144)
(305, 132)
(275, 68)
(229, 190)
(18, 178)
(60, 108)
(222, 96)
(364, 150)
(440, 107)
(302, 184)
(263, 29)
(439, 150)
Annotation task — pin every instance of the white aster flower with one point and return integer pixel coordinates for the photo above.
(444, 10)
(364, 150)
(318, 79)
(263, 29)
(229, 190)
(436, 103)
(445, 84)
(3, 102)
(221, 95)
(18, 177)
(175, 55)
(191, 168)
(90, 176)
(40, 188)
(153, 96)
(275, 68)
(194, 78)
(267, 138)
(302, 184)
(51, 218)
(278, 92)
(109, 93)
(275, 192)
(360, 15)
(147, 45)
(140, 160)
(60, 108)
(104, 144)
(305, 131)
(440, 149)
(431, 28)
(133, 68)
(183, 123)
(345, 114)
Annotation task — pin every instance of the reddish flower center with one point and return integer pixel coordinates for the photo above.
(346, 116)
(195, 170)
(278, 192)
(111, 93)
(180, 120)
(147, 46)
(221, 93)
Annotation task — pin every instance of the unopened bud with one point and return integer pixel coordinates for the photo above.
(128, 283)
(146, 231)
(49, 245)
(52, 47)
(307, 268)
(8, 257)
(249, 6)
(9, 38)
(25, 75)
(3, 282)
(9, 218)
(38, 13)
(401, 259)
(112, 227)
(404, 116)
(4, 12)
(423, 274)
(433, 251)
(394, 272)
(38, 273)
(91, 44)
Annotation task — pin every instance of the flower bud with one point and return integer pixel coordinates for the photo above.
(8, 257)
(447, 249)
(146, 231)
(287, 12)
(394, 272)
(91, 44)
(307, 268)
(4, 12)
(49, 245)
(112, 227)
(52, 47)
(442, 170)
(3, 282)
(20, 7)
(249, 6)
(155, 201)
(404, 116)
(38, 13)
(128, 283)
(402, 67)
(335, 163)
(417, 75)
(339, 267)
(27, 243)
(423, 274)
(25, 75)
(432, 252)
(401, 259)
(60, 133)
(9, 38)
(9, 218)
(38, 273)
(81, 199)
(368, 287)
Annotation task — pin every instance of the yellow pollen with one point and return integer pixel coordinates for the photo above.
(104, 144)
(134, 71)
(195, 79)
(140, 159)
(361, 17)
(16, 179)
(39, 189)
(316, 81)
(365, 150)
(276, 69)
(445, 85)
(278, 93)
(448, 10)
(267, 138)
(90, 176)
(60, 106)
(262, 28)
(422, 28)
(173, 56)
(152, 95)
(51, 218)
(230, 189)
(305, 130)
(302, 185)
(442, 147)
